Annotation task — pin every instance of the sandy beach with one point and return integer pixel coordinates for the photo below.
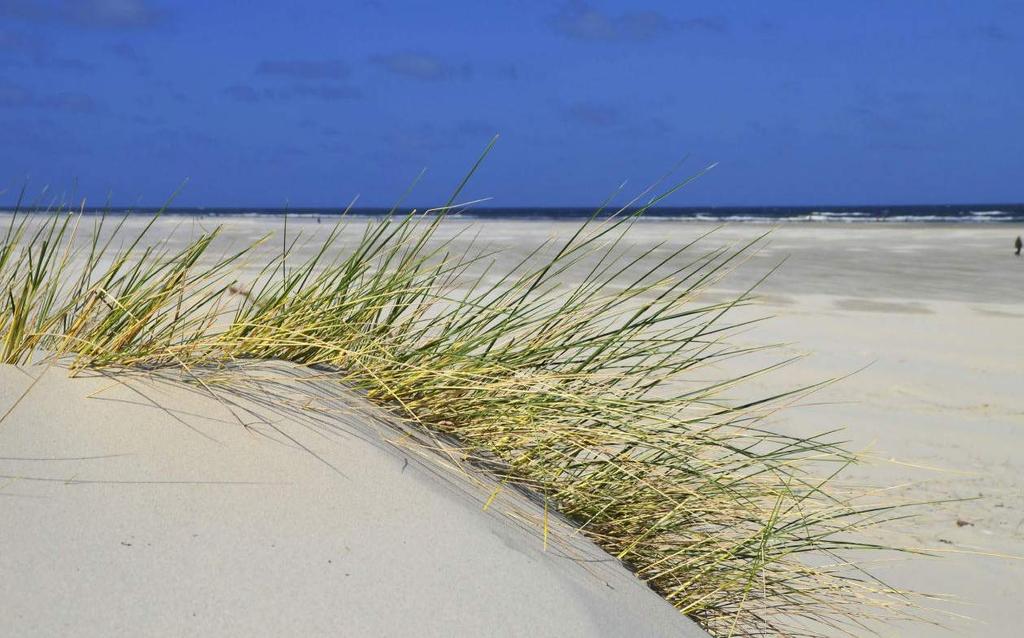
(135, 506)
(925, 319)
(928, 321)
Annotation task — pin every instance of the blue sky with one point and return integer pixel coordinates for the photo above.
(258, 103)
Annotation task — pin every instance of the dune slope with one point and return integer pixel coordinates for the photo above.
(138, 505)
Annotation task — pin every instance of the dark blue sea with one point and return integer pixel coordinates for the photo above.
(934, 214)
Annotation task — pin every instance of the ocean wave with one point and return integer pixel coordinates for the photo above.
(747, 215)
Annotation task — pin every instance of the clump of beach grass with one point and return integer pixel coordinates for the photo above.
(590, 395)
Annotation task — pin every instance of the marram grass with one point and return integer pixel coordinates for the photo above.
(588, 394)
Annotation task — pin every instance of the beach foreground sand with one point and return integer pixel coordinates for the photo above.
(139, 506)
(928, 317)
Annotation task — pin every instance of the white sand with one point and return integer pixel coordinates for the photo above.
(933, 318)
(935, 312)
(124, 519)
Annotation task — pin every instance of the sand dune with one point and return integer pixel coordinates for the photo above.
(930, 315)
(139, 506)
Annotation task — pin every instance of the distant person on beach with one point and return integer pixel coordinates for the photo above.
(1018, 245)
